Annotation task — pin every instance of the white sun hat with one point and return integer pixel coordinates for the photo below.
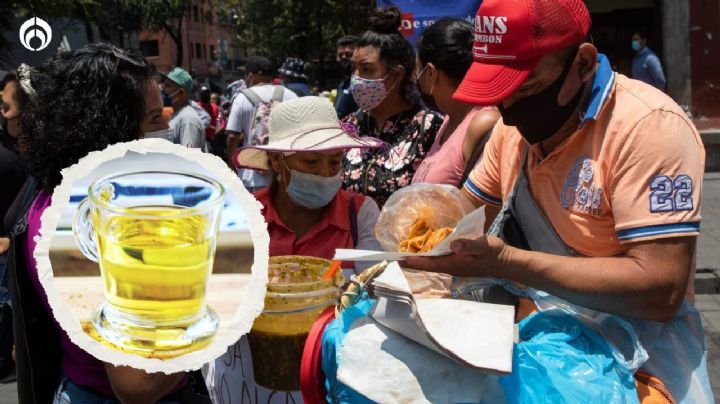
(303, 124)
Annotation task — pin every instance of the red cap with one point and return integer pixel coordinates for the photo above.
(510, 38)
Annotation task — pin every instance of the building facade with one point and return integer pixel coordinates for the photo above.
(207, 40)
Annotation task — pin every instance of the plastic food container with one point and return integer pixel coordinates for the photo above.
(296, 296)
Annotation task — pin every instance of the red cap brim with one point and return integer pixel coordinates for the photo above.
(489, 84)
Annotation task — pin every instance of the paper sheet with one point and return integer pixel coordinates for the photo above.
(387, 367)
(478, 335)
(470, 226)
(342, 254)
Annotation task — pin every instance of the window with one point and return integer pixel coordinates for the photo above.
(212, 52)
(198, 51)
(150, 48)
(204, 51)
(195, 13)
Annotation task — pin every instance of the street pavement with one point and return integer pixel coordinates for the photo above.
(707, 285)
(708, 264)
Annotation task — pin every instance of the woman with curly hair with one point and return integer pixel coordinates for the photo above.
(81, 101)
(12, 172)
(390, 110)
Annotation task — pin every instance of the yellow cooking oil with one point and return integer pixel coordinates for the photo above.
(155, 267)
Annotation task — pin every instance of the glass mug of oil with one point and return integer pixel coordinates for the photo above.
(154, 236)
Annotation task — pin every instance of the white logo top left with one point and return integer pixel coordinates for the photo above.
(38, 29)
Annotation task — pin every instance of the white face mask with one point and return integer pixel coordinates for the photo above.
(312, 191)
(166, 134)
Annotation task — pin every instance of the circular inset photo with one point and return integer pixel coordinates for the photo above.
(153, 255)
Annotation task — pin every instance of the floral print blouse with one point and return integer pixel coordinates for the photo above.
(378, 173)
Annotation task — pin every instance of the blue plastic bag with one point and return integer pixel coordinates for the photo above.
(331, 342)
(675, 351)
(560, 360)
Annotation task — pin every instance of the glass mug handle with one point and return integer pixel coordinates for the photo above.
(84, 231)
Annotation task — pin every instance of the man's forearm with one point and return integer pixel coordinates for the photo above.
(621, 285)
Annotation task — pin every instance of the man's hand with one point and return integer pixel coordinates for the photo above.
(483, 256)
(649, 281)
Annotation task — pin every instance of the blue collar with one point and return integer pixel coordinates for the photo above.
(603, 84)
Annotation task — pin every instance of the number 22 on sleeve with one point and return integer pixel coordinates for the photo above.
(671, 195)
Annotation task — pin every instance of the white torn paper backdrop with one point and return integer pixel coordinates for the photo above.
(251, 305)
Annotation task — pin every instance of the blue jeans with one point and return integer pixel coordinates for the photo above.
(69, 392)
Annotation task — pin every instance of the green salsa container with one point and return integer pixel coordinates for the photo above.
(278, 335)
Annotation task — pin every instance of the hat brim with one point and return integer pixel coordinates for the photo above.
(256, 157)
(293, 74)
(489, 84)
(165, 76)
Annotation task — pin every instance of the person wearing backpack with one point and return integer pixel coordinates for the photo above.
(247, 123)
(307, 213)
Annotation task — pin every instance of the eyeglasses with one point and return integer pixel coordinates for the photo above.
(417, 77)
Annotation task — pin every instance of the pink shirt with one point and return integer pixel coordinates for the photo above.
(445, 164)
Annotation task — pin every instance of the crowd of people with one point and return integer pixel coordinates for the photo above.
(590, 180)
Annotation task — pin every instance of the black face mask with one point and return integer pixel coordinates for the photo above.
(428, 100)
(167, 101)
(346, 66)
(539, 116)
(8, 141)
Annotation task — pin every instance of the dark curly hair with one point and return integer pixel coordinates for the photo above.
(85, 100)
(447, 44)
(395, 50)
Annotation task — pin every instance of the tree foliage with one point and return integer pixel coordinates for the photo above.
(306, 29)
(109, 16)
(277, 29)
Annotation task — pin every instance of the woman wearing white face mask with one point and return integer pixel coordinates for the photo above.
(390, 109)
(306, 211)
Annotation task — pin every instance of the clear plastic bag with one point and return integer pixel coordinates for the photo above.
(620, 334)
(438, 205)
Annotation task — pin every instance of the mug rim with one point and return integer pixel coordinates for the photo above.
(187, 211)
